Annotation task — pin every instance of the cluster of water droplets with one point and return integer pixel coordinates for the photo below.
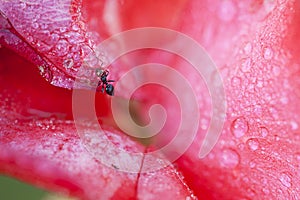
(59, 37)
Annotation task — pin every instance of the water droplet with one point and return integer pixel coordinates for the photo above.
(76, 48)
(279, 191)
(229, 158)
(46, 73)
(274, 112)
(251, 192)
(75, 27)
(54, 38)
(236, 81)
(285, 179)
(269, 5)
(30, 39)
(239, 127)
(91, 60)
(44, 26)
(62, 48)
(260, 83)
(253, 144)
(246, 65)
(62, 29)
(294, 125)
(298, 156)
(68, 63)
(42, 70)
(74, 37)
(266, 190)
(276, 70)
(241, 146)
(268, 53)
(263, 131)
(76, 57)
(248, 48)
(246, 179)
(227, 10)
(281, 1)
(35, 25)
(252, 164)
(284, 100)
(23, 5)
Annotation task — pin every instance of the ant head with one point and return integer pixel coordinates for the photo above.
(105, 73)
(99, 72)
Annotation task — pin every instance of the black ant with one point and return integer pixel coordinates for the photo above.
(104, 83)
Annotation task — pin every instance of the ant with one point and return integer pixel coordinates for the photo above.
(104, 83)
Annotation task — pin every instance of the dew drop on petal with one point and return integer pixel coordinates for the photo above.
(236, 81)
(42, 70)
(252, 164)
(62, 29)
(229, 158)
(75, 27)
(248, 48)
(188, 198)
(263, 131)
(276, 70)
(23, 5)
(266, 190)
(279, 191)
(46, 73)
(241, 146)
(285, 179)
(294, 125)
(297, 159)
(35, 25)
(253, 144)
(44, 26)
(239, 127)
(246, 65)
(54, 38)
(268, 53)
(30, 39)
(298, 156)
(245, 179)
(260, 84)
(68, 63)
(284, 100)
(62, 48)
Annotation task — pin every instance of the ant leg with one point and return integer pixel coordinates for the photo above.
(110, 81)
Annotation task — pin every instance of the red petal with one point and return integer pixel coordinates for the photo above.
(252, 42)
(41, 146)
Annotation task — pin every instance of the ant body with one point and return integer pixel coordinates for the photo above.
(104, 83)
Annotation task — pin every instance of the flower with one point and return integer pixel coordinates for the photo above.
(254, 45)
